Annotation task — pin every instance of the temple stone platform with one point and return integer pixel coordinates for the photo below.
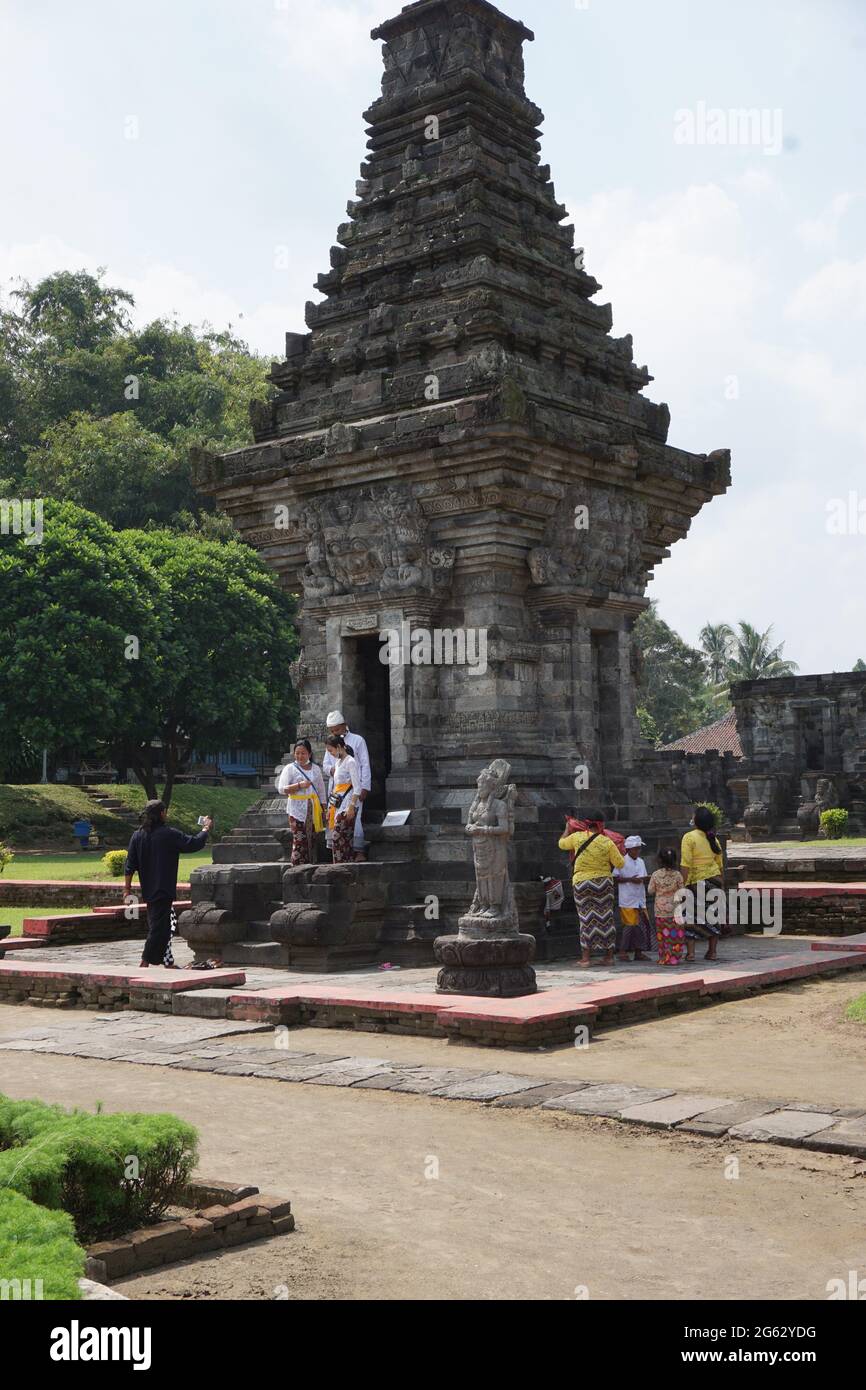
(570, 1006)
(795, 862)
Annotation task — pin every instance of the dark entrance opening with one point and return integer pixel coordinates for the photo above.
(370, 714)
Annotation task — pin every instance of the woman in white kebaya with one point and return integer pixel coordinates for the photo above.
(302, 782)
(344, 797)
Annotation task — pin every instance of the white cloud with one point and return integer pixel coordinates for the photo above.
(837, 290)
(764, 556)
(324, 39)
(682, 279)
(823, 231)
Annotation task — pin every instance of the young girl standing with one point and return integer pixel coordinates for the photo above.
(664, 885)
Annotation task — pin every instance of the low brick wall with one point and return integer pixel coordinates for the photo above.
(29, 892)
(219, 1226)
(842, 914)
(69, 993)
(103, 924)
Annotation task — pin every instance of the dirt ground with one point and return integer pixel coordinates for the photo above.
(525, 1205)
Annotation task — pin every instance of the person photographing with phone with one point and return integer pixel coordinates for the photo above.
(154, 852)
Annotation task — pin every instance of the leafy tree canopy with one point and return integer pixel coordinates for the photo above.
(673, 687)
(79, 387)
(113, 640)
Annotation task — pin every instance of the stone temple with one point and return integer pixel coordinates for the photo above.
(459, 447)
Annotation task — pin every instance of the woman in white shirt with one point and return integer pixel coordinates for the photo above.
(302, 782)
(343, 799)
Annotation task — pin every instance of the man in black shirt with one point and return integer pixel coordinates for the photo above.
(153, 852)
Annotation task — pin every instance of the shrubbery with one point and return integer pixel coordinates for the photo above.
(111, 1173)
(6, 856)
(834, 823)
(39, 1257)
(115, 862)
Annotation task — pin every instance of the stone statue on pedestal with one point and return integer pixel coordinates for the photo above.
(489, 956)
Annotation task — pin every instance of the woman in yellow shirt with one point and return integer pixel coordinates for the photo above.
(702, 862)
(595, 858)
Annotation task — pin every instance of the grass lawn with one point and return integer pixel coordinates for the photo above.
(86, 866)
(225, 804)
(14, 916)
(41, 816)
(856, 1010)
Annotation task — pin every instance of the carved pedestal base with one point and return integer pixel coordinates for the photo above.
(495, 967)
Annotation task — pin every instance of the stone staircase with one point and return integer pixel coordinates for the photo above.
(113, 806)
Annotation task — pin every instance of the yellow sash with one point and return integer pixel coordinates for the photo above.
(318, 819)
(332, 813)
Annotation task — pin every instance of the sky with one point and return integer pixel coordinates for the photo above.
(203, 152)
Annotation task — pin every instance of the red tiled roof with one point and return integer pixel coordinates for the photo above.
(721, 737)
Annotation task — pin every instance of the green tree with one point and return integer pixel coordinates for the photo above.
(755, 658)
(114, 466)
(69, 605)
(673, 685)
(225, 644)
(860, 665)
(69, 357)
(112, 641)
(648, 726)
(717, 641)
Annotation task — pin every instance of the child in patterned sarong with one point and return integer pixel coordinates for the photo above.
(664, 885)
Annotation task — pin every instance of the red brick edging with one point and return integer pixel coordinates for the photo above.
(236, 1216)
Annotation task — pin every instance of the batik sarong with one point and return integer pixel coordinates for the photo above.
(635, 934)
(341, 840)
(303, 842)
(700, 929)
(594, 901)
(671, 938)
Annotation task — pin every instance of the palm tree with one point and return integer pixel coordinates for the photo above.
(754, 658)
(717, 642)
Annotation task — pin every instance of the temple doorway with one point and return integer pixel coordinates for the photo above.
(367, 706)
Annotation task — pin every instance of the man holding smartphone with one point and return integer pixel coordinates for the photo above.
(154, 852)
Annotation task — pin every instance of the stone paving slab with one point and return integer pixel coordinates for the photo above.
(532, 1100)
(488, 1087)
(671, 1111)
(348, 1075)
(845, 1137)
(301, 1071)
(152, 1059)
(422, 1081)
(605, 1099)
(733, 1113)
(783, 1127)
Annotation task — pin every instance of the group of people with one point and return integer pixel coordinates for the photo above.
(329, 797)
(600, 867)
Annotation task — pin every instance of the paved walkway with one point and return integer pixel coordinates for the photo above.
(199, 1045)
(746, 951)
